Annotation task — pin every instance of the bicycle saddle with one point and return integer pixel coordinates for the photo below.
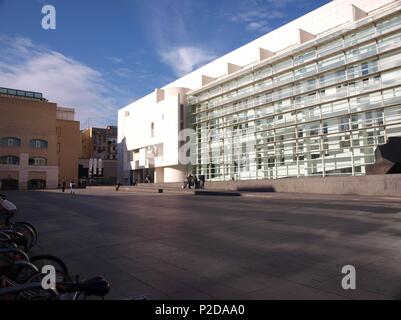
(97, 286)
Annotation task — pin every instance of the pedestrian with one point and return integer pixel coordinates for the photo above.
(118, 186)
(148, 179)
(202, 182)
(63, 186)
(72, 187)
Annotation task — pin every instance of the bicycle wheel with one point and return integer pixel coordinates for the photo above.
(6, 242)
(9, 256)
(18, 238)
(21, 271)
(26, 230)
(32, 229)
(48, 260)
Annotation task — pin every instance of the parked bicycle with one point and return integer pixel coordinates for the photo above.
(7, 212)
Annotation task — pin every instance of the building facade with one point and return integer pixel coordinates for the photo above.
(39, 145)
(315, 97)
(98, 163)
(148, 133)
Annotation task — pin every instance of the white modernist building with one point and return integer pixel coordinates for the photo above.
(148, 137)
(315, 97)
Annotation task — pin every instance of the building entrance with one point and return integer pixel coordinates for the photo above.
(141, 175)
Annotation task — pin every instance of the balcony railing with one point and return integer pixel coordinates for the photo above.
(326, 82)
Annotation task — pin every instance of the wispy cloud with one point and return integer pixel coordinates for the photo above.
(185, 59)
(256, 15)
(116, 60)
(170, 26)
(70, 83)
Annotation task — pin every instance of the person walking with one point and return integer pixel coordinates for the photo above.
(202, 182)
(63, 186)
(72, 187)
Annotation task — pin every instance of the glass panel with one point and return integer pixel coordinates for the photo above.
(359, 36)
(389, 42)
(305, 57)
(261, 73)
(285, 64)
(330, 47)
(332, 62)
(389, 24)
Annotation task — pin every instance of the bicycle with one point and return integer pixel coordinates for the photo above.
(7, 212)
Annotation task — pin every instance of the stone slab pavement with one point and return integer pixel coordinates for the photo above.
(258, 246)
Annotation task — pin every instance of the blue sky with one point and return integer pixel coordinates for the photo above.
(105, 54)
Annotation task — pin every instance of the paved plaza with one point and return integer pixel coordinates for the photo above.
(257, 246)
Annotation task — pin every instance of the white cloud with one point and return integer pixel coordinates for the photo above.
(259, 13)
(258, 26)
(185, 59)
(116, 60)
(170, 26)
(69, 83)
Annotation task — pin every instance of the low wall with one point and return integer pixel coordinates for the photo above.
(375, 185)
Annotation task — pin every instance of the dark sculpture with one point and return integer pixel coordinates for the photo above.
(388, 158)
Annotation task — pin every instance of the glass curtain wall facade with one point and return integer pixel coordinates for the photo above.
(320, 110)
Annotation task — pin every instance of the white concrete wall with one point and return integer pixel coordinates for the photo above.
(175, 174)
(134, 131)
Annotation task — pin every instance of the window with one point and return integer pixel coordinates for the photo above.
(10, 142)
(389, 42)
(37, 161)
(307, 56)
(343, 125)
(58, 132)
(305, 71)
(359, 36)
(330, 47)
(39, 144)
(331, 62)
(152, 130)
(388, 24)
(285, 64)
(365, 69)
(314, 130)
(286, 77)
(262, 73)
(9, 160)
